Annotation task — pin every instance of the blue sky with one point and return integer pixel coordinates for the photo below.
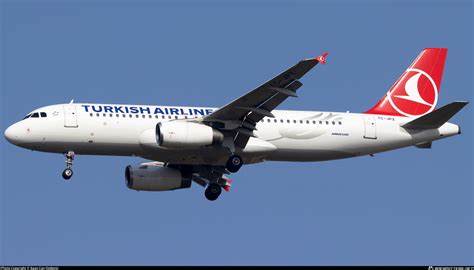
(405, 207)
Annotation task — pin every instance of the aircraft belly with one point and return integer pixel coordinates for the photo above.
(200, 156)
(84, 148)
(308, 155)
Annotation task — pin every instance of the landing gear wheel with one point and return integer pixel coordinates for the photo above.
(234, 163)
(213, 191)
(67, 173)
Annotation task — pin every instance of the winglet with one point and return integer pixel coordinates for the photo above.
(322, 58)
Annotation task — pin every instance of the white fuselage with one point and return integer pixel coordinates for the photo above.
(129, 130)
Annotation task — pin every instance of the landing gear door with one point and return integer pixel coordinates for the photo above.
(70, 116)
(370, 128)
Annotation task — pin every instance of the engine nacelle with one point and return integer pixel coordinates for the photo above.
(186, 135)
(151, 177)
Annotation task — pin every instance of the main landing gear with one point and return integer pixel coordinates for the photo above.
(214, 188)
(213, 191)
(67, 173)
(234, 163)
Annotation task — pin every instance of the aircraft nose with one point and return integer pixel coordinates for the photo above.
(12, 134)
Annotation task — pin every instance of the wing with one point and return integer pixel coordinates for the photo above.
(239, 117)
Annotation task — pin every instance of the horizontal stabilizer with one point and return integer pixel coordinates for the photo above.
(437, 118)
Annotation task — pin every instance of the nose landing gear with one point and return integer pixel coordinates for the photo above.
(67, 173)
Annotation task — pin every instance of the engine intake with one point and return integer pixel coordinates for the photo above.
(152, 177)
(186, 135)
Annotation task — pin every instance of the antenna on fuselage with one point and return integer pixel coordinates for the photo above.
(72, 101)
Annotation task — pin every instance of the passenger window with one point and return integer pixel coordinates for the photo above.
(275, 120)
(327, 122)
(136, 115)
(307, 121)
(314, 122)
(288, 121)
(43, 114)
(333, 122)
(111, 115)
(97, 114)
(340, 123)
(123, 115)
(117, 115)
(143, 116)
(294, 121)
(104, 115)
(149, 116)
(320, 122)
(91, 114)
(301, 121)
(35, 115)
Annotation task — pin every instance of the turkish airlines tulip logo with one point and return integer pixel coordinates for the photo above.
(415, 94)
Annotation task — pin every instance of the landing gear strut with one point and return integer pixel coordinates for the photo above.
(67, 173)
(234, 163)
(213, 191)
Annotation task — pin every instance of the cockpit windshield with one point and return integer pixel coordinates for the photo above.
(36, 115)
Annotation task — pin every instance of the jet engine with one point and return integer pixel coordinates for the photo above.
(153, 177)
(186, 135)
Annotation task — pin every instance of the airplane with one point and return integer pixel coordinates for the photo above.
(188, 145)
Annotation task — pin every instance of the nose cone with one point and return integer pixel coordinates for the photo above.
(12, 134)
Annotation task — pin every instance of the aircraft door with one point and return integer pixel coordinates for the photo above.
(70, 115)
(370, 128)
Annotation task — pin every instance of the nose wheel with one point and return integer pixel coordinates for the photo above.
(67, 173)
(234, 163)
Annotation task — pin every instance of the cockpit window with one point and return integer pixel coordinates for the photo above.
(27, 116)
(35, 115)
(43, 114)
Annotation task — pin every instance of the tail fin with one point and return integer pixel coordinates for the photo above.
(416, 92)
